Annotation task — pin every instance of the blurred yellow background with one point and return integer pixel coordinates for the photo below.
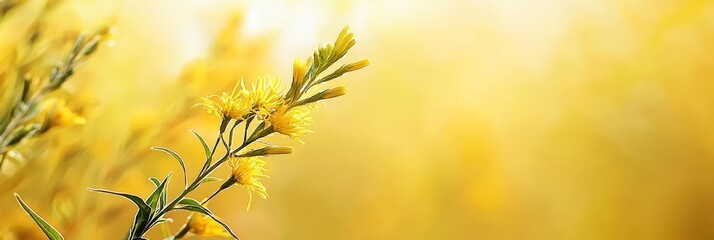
(506, 119)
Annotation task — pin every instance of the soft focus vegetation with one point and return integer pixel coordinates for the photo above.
(548, 119)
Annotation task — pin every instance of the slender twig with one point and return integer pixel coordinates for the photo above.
(245, 132)
(182, 232)
(2, 161)
(230, 135)
(19, 118)
(220, 189)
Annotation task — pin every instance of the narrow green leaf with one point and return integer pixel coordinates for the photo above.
(177, 157)
(210, 179)
(159, 195)
(50, 231)
(206, 149)
(136, 199)
(155, 181)
(190, 202)
(195, 208)
(140, 221)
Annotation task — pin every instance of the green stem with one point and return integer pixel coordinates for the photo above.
(182, 232)
(19, 118)
(2, 161)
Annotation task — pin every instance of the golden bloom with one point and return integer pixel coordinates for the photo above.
(344, 41)
(57, 114)
(246, 172)
(227, 105)
(299, 70)
(291, 122)
(264, 96)
(203, 225)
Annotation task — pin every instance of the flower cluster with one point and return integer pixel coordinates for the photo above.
(263, 108)
(285, 112)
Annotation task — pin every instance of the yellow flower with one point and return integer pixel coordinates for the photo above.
(203, 225)
(291, 122)
(57, 114)
(344, 41)
(227, 105)
(246, 172)
(264, 96)
(299, 70)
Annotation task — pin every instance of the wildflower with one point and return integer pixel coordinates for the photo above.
(246, 172)
(57, 114)
(232, 106)
(203, 225)
(264, 96)
(344, 42)
(291, 122)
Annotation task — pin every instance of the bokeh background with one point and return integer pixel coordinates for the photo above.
(547, 119)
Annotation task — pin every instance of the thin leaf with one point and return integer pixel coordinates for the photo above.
(210, 179)
(136, 199)
(140, 221)
(157, 197)
(195, 208)
(50, 231)
(155, 181)
(177, 157)
(206, 149)
(191, 202)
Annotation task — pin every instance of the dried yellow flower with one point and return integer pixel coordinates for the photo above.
(291, 122)
(203, 225)
(265, 96)
(246, 172)
(226, 105)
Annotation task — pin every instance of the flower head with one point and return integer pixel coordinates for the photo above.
(57, 114)
(246, 172)
(203, 225)
(265, 96)
(291, 122)
(226, 105)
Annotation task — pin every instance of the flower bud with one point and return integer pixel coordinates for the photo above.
(269, 150)
(334, 92)
(357, 65)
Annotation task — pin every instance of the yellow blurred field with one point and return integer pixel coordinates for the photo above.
(548, 119)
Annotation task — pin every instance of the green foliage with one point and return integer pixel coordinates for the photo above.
(48, 229)
(178, 158)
